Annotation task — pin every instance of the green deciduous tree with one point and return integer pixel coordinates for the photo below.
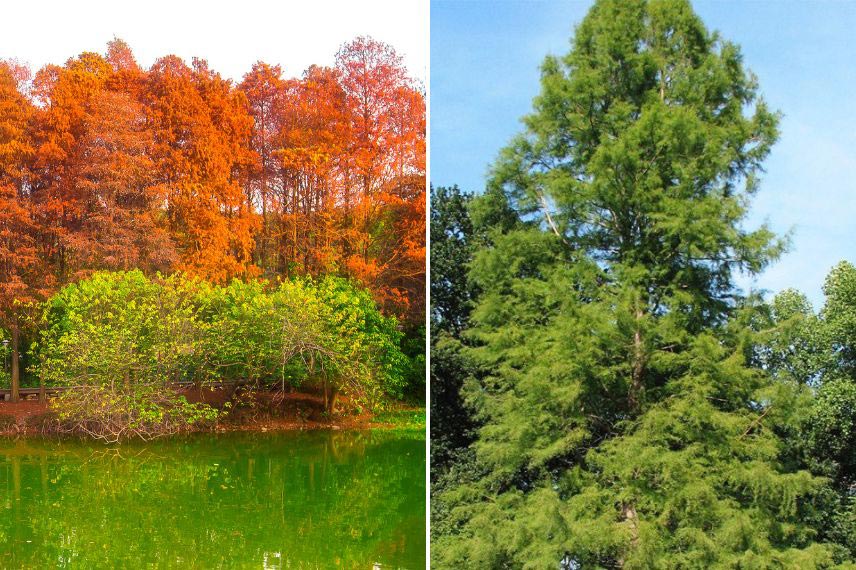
(452, 295)
(118, 340)
(122, 341)
(325, 331)
(816, 350)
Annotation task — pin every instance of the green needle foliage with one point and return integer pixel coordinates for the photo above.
(625, 419)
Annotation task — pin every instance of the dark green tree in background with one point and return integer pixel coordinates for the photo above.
(627, 417)
(451, 302)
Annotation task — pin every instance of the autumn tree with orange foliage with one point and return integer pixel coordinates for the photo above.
(201, 129)
(22, 279)
(340, 173)
(107, 165)
(387, 178)
(94, 181)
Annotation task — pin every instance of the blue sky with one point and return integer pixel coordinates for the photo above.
(484, 73)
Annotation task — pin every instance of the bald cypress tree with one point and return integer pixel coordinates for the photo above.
(624, 421)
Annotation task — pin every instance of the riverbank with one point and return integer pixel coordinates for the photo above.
(253, 411)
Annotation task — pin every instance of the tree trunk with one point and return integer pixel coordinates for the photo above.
(234, 389)
(334, 396)
(16, 365)
(637, 367)
(628, 511)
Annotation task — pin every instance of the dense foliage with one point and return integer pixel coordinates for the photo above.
(452, 296)
(105, 165)
(818, 350)
(122, 342)
(629, 399)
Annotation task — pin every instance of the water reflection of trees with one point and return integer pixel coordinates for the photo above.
(309, 500)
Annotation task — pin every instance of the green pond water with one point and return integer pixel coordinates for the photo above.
(325, 499)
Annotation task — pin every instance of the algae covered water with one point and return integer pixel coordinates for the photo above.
(302, 500)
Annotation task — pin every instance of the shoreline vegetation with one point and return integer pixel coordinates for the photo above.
(130, 356)
(167, 226)
(289, 412)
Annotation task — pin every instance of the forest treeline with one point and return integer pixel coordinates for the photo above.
(603, 394)
(105, 165)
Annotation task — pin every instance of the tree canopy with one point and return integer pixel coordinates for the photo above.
(626, 419)
(121, 342)
(106, 165)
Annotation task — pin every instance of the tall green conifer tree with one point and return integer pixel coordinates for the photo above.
(624, 424)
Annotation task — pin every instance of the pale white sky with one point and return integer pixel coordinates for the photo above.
(231, 36)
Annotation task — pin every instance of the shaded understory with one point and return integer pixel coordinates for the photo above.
(249, 411)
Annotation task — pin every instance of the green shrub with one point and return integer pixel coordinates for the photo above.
(122, 340)
(119, 340)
